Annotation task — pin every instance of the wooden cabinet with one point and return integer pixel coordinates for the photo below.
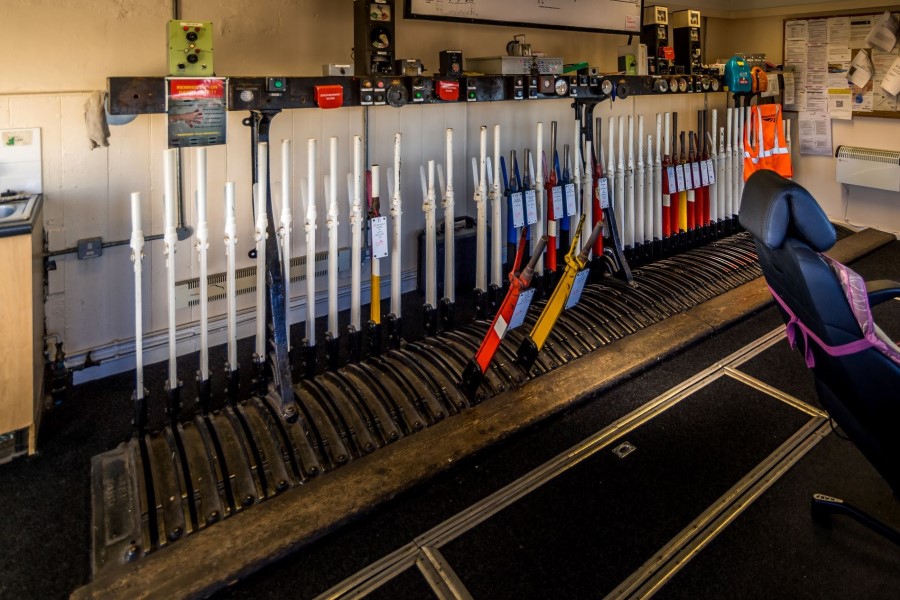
(21, 338)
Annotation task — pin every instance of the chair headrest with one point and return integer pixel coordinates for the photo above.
(773, 208)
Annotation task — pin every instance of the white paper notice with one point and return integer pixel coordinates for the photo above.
(577, 288)
(864, 98)
(861, 69)
(884, 35)
(796, 30)
(818, 31)
(518, 210)
(882, 62)
(773, 89)
(789, 96)
(840, 104)
(815, 133)
(839, 32)
(817, 99)
(860, 27)
(891, 81)
(603, 186)
(571, 201)
(838, 54)
(531, 207)
(695, 176)
(379, 237)
(883, 101)
(556, 193)
(795, 52)
(518, 316)
(837, 74)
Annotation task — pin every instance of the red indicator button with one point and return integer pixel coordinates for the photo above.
(329, 96)
(448, 91)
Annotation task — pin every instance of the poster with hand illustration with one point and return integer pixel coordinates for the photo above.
(196, 109)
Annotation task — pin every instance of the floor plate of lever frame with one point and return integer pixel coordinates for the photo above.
(154, 490)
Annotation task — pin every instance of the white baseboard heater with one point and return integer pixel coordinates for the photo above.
(868, 167)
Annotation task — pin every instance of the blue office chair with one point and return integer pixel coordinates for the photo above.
(857, 376)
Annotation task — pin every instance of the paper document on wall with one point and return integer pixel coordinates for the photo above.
(840, 104)
(891, 81)
(864, 98)
(795, 52)
(837, 74)
(884, 34)
(860, 28)
(861, 69)
(883, 101)
(773, 89)
(796, 30)
(818, 32)
(839, 32)
(789, 88)
(815, 133)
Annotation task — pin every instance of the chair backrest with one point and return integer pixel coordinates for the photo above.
(860, 391)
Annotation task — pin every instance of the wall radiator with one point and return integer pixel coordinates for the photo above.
(868, 167)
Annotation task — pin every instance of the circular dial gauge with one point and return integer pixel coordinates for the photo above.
(682, 85)
(662, 86)
(561, 87)
(714, 85)
(606, 87)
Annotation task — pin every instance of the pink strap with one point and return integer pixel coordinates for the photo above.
(795, 323)
(854, 288)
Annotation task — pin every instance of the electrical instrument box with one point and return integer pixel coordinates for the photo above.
(373, 34)
(451, 63)
(633, 59)
(190, 48)
(335, 70)
(656, 15)
(655, 35)
(409, 67)
(500, 65)
(686, 37)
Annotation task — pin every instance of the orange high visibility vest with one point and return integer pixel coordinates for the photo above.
(770, 150)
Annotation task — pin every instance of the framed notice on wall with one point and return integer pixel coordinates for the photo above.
(607, 16)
